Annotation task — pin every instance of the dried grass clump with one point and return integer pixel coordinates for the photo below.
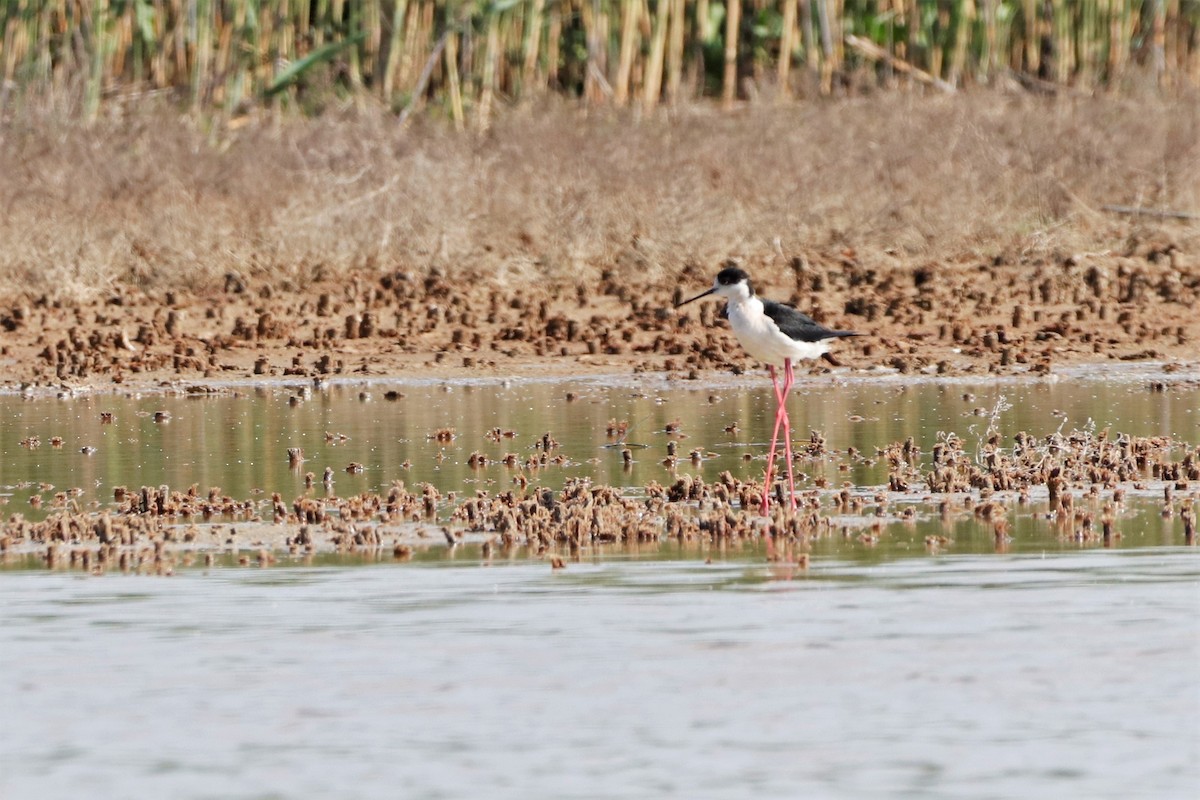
(147, 198)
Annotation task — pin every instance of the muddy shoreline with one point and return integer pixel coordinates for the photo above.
(1158, 375)
(995, 319)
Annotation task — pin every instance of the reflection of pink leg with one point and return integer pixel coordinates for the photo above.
(789, 378)
(779, 412)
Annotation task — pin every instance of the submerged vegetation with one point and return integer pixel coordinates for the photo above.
(463, 58)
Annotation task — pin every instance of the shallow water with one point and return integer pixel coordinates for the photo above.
(962, 676)
(239, 442)
(1044, 667)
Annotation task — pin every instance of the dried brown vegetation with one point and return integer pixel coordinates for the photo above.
(150, 201)
(142, 244)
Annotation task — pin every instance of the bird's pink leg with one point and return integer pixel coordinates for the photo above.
(766, 499)
(789, 378)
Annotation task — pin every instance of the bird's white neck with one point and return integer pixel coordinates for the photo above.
(736, 293)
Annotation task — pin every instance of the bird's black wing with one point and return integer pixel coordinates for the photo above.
(797, 325)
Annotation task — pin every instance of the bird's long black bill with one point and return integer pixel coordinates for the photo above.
(697, 297)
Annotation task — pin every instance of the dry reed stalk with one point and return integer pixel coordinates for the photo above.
(1158, 40)
(652, 86)
(408, 48)
(675, 50)
(704, 30)
(1118, 42)
(1090, 42)
(630, 11)
(224, 65)
(533, 40)
(425, 41)
(877, 53)
(418, 94)
(827, 51)
(838, 29)
(1064, 54)
(488, 88)
(937, 51)
(962, 33)
(354, 55)
(1033, 52)
(987, 59)
(733, 13)
(808, 37)
(456, 101)
(602, 43)
(553, 38)
(372, 24)
(395, 48)
(596, 88)
(784, 65)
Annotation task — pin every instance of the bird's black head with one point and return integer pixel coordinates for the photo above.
(731, 275)
(727, 280)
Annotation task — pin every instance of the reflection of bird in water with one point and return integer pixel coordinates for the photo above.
(777, 334)
(618, 432)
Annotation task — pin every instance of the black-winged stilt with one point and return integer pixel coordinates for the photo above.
(776, 334)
